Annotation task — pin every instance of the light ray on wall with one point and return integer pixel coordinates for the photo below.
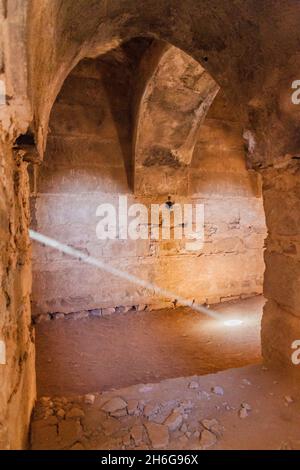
(55, 244)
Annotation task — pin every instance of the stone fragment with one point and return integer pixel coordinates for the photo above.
(174, 420)
(151, 410)
(75, 413)
(119, 413)
(244, 410)
(207, 439)
(246, 382)
(133, 407)
(96, 312)
(108, 311)
(80, 315)
(120, 309)
(137, 434)
(115, 404)
(193, 385)
(203, 395)
(60, 413)
(217, 390)
(141, 307)
(59, 316)
(288, 399)
(89, 399)
(212, 425)
(158, 435)
(184, 428)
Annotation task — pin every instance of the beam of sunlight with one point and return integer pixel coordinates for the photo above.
(234, 322)
(51, 242)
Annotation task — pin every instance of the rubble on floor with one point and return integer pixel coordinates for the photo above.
(182, 413)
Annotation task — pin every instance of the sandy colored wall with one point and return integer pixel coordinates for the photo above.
(17, 375)
(84, 166)
(17, 369)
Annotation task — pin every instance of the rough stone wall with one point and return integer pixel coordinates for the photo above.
(17, 375)
(85, 165)
(281, 322)
(17, 371)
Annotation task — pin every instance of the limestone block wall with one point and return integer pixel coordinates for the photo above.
(85, 165)
(281, 319)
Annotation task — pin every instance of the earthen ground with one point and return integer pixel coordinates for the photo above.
(98, 354)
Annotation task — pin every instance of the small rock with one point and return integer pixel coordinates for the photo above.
(203, 395)
(212, 425)
(45, 401)
(75, 413)
(246, 382)
(184, 428)
(108, 311)
(120, 309)
(151, 410)
(119, 413)
(127, 308)
(207, 439)
(193, 385)
(137, 434)
(289, 399)
(60, 413)
(141, 308)
(174, 420)
(79, 315)
(246, 406)
(158, 435)
(243, 413)
(59, 316)
(113, 405)
(196, 434)
(133, 407)
(96, 312)
(89, 399)
(217, 390)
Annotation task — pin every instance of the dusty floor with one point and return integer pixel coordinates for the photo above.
(245, 408)
(97, 354)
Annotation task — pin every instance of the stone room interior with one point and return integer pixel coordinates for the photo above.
(150, 225)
